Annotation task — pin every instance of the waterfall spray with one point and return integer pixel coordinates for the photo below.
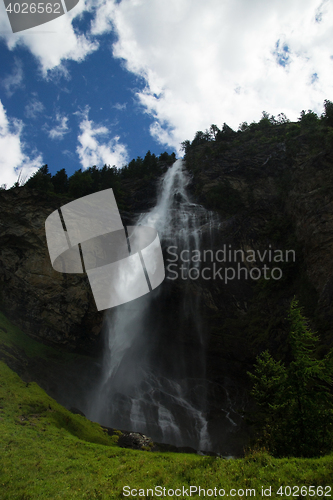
(153, 369)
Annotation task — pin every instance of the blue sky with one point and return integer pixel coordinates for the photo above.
(112, 79)
(57, 110)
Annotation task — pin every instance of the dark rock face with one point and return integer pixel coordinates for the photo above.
(266, 198)
(286, 201)
(310, 203)
(50, 306)
(32, 294)
(269, 199)
(141, 194)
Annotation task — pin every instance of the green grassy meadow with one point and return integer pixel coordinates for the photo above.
(48, 452)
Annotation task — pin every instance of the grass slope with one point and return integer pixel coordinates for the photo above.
(14, 343)
(47, 452)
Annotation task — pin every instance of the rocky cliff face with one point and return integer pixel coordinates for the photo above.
(267, 194)
(310, 205)
(272, 194)
(50, 306)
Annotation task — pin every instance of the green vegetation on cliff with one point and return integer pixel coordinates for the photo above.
(82, 183)
(251, 145)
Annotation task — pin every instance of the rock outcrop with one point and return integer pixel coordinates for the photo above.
(52, 307)
(276, 199)
(49, 306)
(269, 195)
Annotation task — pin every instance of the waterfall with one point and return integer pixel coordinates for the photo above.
(153, 369)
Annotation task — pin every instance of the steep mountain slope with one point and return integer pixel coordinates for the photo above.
(269, 189)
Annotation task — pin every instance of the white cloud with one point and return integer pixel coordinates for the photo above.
(93, 150)
(120, 106)
(54, 42)
(33, 107)
(13, 81)
(214, 62)
(59, 131)
(13, 160)
(203, 62)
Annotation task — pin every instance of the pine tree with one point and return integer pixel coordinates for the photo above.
(41, 180)
(295, 403)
